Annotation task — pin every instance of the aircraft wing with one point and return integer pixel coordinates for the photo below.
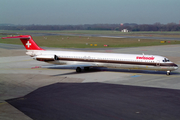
(71, 66)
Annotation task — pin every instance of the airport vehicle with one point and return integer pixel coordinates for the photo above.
(86, 60)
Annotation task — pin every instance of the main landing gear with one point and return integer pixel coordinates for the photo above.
(78, 69)
(168, 72)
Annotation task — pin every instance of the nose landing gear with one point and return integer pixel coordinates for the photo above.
(168, 72)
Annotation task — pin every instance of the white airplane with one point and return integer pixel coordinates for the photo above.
(86, 60)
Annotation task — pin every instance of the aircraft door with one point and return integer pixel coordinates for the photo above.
(158, 63)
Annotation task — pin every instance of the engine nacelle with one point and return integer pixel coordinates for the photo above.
(46, 58)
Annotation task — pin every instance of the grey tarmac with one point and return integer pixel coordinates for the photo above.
(20, 78)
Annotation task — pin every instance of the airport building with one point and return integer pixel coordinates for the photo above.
(124, 30)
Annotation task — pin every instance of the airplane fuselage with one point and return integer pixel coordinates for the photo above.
(109, 60)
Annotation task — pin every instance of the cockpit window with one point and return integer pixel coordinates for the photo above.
(166, 60)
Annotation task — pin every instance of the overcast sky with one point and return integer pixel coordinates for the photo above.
(74, 12)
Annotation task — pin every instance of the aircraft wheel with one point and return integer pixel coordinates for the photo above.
(78, 69)
(168, 72)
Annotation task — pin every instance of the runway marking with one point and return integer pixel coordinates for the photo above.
(2, 103)
(136, 76)
(35, 67)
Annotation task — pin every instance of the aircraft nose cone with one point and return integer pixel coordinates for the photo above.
(175, 66)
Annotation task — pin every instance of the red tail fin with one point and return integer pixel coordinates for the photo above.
(27, 41)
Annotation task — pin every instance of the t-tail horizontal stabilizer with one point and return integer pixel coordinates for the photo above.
(27, 41)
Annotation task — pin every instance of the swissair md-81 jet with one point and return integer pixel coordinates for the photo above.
(86, 60)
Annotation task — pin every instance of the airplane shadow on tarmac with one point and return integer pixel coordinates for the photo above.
(99, 101)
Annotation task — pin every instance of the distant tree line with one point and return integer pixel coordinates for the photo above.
(117, 27)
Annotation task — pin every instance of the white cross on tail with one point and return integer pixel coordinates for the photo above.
(28, 44)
